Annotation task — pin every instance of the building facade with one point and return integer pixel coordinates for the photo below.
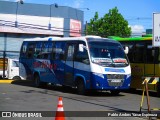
(19, 21)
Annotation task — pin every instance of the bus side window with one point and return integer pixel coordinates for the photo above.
(45, 47)
(43, 50)
(156, 55)
(24, 50)
(82, 56)
(59, 50)
(70, 52)
(130, 45)
(150, 53)
(139, 52)
(30, 50)
(38, 50)
(131, 52)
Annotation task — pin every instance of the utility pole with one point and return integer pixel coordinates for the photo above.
(50, 15)
(86, 28)
(4, 54)
(21, 2)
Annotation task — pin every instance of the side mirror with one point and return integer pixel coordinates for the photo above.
(81, 47)
(126, 50)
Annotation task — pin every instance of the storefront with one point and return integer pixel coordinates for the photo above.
(19, 21)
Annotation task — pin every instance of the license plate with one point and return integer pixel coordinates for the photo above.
(116, 81)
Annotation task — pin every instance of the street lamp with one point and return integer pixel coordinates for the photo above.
(84, 8)
(56, 6)
(21, 2)
(80, 9)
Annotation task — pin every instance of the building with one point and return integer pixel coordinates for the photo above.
(25, 20)
(149, 31)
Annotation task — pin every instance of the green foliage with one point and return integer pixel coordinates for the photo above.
(112, 24)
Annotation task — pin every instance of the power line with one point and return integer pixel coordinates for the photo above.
(140, 18)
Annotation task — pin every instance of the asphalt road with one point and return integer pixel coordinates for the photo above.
(22, 96)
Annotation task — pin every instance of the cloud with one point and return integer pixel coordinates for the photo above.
(78, 3)
(137, 28)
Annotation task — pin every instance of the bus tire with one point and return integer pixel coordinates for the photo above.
(80, 87)
(37, 82)
(115, 92)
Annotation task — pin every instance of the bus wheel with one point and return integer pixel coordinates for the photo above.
(37, 81)
(115, 92)
(80, 87)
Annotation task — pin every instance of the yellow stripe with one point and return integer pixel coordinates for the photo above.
(154, 82)
(155, 109)
(6, 81)
(147, 79)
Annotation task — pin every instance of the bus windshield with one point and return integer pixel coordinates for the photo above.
(107, 53)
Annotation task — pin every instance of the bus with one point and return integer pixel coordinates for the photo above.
(86, 63)
(144, 60)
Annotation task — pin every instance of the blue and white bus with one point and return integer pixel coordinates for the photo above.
(86, 63)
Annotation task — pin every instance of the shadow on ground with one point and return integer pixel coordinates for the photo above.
(73, 90)
(139, 92)
(65, 89)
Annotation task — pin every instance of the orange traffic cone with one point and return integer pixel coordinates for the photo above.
(60, 111)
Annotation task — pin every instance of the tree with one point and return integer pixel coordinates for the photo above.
(112, 24)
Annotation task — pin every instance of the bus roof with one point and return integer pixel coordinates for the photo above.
(61, 38)
(131, 38)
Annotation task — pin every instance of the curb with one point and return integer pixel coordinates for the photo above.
(6, 81)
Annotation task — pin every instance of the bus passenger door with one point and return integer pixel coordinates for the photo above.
(69, 66)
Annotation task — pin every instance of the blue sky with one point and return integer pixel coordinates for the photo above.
(137, 12)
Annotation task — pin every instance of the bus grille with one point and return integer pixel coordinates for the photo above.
(115, 79)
